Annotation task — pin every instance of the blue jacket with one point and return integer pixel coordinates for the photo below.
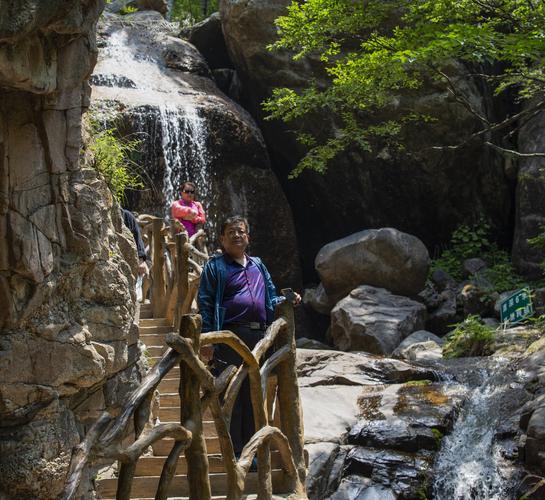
(212, 287)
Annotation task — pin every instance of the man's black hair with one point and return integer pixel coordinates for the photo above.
(233, 220)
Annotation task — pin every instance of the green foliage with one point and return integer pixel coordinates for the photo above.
(470, 338)
(128, 9)
(111, 157)
(375, 51)
(191, 11)
(539, 242)
(474, 241)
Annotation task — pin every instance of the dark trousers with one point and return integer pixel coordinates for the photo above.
(242, 420)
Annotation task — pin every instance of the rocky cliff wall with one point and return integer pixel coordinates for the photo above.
(65, 260)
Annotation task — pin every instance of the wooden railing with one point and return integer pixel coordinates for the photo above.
(176, 265)
(175, 290)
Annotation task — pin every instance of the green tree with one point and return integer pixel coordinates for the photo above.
(191, 11)
(375, 50)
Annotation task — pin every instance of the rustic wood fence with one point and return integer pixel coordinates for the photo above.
(176, 267)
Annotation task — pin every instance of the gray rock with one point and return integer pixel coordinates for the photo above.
(207, 36)
(385, 258)
(441, 319)
(422, 352)
(419, 336)
(374, 320)
(442, 279)
(304, 343)
(473, 266)
(317, 299)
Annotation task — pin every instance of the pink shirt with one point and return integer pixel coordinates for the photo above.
(182, 208)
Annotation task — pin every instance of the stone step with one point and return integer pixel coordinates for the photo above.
(146, 313)
(162, 447)
(146, 487)
(152, 466)
(147, 322)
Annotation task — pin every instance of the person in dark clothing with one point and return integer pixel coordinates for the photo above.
(236, 293)
(132, 224)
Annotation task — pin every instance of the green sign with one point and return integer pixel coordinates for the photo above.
(517, 307)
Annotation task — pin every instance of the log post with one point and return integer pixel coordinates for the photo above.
(191, 415)
(291, 414)
(158, 286)
(182, 277)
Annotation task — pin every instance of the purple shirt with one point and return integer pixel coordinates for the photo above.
(244, 294)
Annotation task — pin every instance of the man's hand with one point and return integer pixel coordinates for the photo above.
(207, 352)
(143, 269)
(296, 299)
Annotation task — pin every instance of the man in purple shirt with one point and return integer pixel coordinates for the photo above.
(237, 293)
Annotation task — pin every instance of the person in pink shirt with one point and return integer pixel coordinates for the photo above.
(188, 211)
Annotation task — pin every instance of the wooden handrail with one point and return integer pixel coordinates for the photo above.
(172, 294)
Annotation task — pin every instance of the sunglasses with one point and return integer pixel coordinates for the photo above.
(189, 191)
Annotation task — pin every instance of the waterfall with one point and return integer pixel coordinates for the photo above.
(184, 137)
(471, 463)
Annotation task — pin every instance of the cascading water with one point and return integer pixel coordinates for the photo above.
(184, 138)
(471, 463)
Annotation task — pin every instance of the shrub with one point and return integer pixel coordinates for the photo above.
(471, 337)
(111, 157)
(474, 241)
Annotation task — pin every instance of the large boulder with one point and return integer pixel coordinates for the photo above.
(385, 258)
(425, 192)
(374, 320)
(190, 130)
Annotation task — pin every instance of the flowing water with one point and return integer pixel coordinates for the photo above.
(471, 463)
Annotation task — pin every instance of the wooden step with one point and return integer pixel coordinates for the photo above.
(172, 414)
(152, 466)
(156, 351)
(169, 385)
(153, 338)
(146, 322)
(155, 329)
(146, 487)
(162, 447)
(146, 312)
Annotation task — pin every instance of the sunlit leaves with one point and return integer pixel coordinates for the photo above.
(374, 50)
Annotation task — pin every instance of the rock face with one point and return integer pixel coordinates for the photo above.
(427, 195)
(190, 131)
(373, 320)
(372, 425)
(530, 213)
(384, 258)
(65, 261)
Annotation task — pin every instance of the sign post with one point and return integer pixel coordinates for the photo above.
(516, 307)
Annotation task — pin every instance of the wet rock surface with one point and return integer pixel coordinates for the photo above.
(372, 424)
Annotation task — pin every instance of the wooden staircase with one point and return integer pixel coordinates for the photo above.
(148, 470)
